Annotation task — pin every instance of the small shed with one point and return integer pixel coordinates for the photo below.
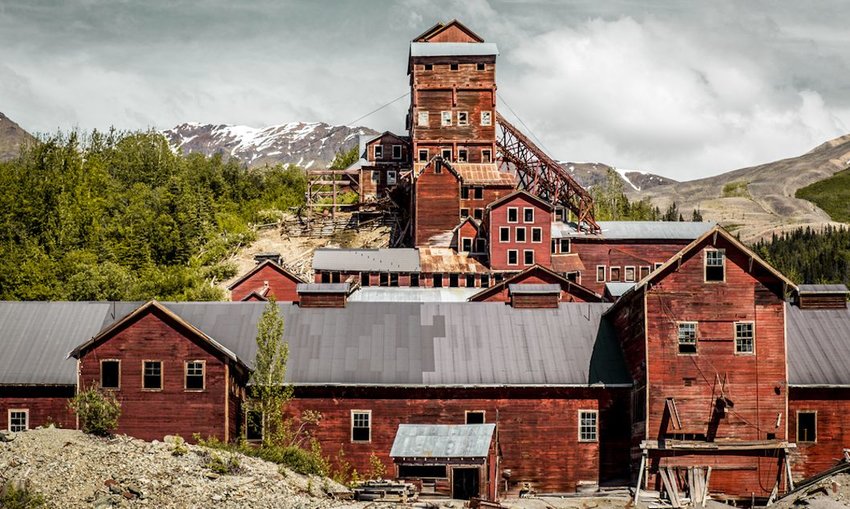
(455, 460)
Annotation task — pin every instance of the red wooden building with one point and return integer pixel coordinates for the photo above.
(266, 279)
(519, 226)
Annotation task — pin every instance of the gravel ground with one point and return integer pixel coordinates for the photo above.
(73, 470)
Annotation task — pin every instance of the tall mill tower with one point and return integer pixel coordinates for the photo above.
(452, 95)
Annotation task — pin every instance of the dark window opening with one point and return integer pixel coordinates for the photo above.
(480, 245)
(152, 375)
(528, 215)
(464, 193)
(364, 279)
(498, 278)
(422, 472)
(537, 235)
(326, 277)
(714, 266)
(335, 277)
(470, 280)
(554, 245)
(807, 423)
(109, 374)
(393, 279)
(454, 280)
(565, 245)
(454, 67)
(480, 67)
(384, 279)
(528, 257)
(254, 425)
(464, 213)
(520, 234)
(429, 67)
(361, 426)
(466, 244)
(485, 280)
(423, 155)
(512, 258)
(438, 280)
(195, 375)
(476, 417)
(479, 193)
(414, 280)
(504, 234)
(513, 215)
(478, 214)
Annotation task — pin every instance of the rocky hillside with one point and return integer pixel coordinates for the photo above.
(71, 469)
(759, 200)
(310, 145)
(11, 138)
(592, 174)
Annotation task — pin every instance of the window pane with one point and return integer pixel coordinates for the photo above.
(360, 427)
(537, 235)
(504, 234)
(153, 375)
(587, 425)
(744, 340)
(687, 337)
(194, 375)
(18, 421)
(528, 215)
(109, 374)
(714, 266)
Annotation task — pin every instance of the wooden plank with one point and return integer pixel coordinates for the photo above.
(669, 483)
(675, 420)
(705, 489)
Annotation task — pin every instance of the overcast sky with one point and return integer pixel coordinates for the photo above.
(683, 89)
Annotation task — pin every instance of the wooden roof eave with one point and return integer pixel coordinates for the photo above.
(257, 268)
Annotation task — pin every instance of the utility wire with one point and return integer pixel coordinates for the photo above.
(379, 108)
(528, 129)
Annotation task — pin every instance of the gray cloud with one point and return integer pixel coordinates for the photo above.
(679, 88)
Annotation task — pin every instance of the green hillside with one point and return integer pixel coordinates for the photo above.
(831, 194)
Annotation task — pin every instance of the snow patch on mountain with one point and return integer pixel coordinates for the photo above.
(307, 144)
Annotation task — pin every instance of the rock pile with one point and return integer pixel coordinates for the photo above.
(71, 469)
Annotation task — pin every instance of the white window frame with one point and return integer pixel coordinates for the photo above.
(722, 253)
(161, 376)
(396, 148)
(464, 212)
(378, 151)
(516, 256)
(422, 119)
(517, 229)
(465, 121)
(797, 431)
(467, 412)
(561, 245)
(525, 210)
(540, 236)
(423, 151)
(369, 427)
(486, 155)
(462, 155)
(119, 375)
(446, 118)
(503, 229)
(376, 177)
(611, 273)
(626, 277)
(469, 239)
(526, 252)
(752, 338)
(581, 427)
(25, 411)
(478, 213)
(486, 118)
(446, 153)
(604, 273)
(679, 337)
(392, 177)
(508, 216)
(203, 364)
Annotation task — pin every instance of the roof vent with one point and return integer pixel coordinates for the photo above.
(822, 296)
(323, 295)
(535, 295)
(273, 257)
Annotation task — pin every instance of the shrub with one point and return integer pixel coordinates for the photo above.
(20, 495)
(218, 464)
(98, 411)
(377, 469)
(297, 459)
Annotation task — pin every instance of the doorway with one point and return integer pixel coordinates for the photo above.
(465, 483)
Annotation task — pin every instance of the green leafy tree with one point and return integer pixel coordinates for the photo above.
(345, 158)
(268, 386)
(98, 411)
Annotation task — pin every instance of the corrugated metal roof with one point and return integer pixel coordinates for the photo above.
(36, 337)
(442, 440)
(445, 260)
(477, 173)
(323, 287)
(617, 289)
(834, 288)
(818, 346)
(404, 294)
(367, 260)
(451, 49)
(564, 263)
(636, 230)
(518, 289)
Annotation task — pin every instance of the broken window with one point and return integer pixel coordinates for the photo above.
(462, 118)
(807, 426)
(464, 213)
(447, 154)
(152, 375)
(464, 192)
(486, 155)
(687, 334)
(361, 425)
(423, 154)
(428, 67)
(422, 119)
(461, 155)
(587, 423)
(384, 279)
(110, 374)
(195, 375)
(376, 176)
(19, 420)
(453, 67)
(744, 338)
(445, 118)
(470, 280)
(394, 279)
(565, 245)
(715, 264)
(475, 417)
(364, 279)
(392, 177)
(512, 256)
(379, 152)
(486, 118)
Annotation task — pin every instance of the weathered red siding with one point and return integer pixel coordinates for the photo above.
(499, 218)
(833, 434)
(46, 404)
(437, 203)
(148, 414)
(537, 428)
(622, 254)
(281, 285)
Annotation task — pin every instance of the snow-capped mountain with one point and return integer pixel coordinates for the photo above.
(592, 174)
(309, 145)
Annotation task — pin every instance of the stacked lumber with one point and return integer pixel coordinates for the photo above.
(385, 491)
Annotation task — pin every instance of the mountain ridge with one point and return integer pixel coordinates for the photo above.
(12, 137)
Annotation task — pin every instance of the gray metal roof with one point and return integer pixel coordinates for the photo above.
(36, 337)
(369, 343)
(835, 288)
(409, 294)
(452, 49)
(367, 260)
(635, 230)
(818, 346)
(323, 287)
(616, 289)
(442, 440)
(518, 289)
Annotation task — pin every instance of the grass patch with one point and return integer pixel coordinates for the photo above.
(736, 190)
(831, 194)
(302, 461)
